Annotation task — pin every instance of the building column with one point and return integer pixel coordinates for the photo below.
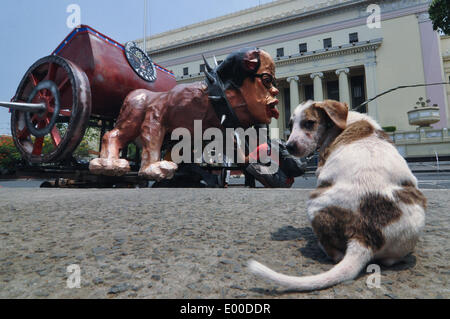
(344, 93)
(318, 90)
(433, 68)
(301, 92)
(372, 89)
(293, 90)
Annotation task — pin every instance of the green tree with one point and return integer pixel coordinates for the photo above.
(439, 12)
(9, 155)
(91, 137)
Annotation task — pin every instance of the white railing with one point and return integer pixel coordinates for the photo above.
(418, 136)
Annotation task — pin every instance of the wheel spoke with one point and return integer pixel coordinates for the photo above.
(39, 141)
(33, 79)
(56, 137)
(62, 111)
(35, 82)
(23, 134)
(37, 146)
(63, 85)
(50, 109)
(51, 72)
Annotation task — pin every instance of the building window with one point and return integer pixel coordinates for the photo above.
(353, 37)
(280, 52)
(309, 92)
(333, 90)
(185, 71)
(358, 93)
(202, 68)
(303, 47)
(327, 43)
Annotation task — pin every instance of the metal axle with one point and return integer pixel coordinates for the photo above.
(26, 107)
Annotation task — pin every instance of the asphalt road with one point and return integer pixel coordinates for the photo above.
(189, 243)
(426, 181)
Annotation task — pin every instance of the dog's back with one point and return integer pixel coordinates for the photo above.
(364, 159)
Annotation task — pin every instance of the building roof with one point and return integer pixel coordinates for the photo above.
(279, 11)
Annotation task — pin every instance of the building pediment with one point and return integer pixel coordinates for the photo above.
(345, 49)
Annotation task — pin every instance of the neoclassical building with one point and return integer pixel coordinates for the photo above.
(348, 50)
(445, 52)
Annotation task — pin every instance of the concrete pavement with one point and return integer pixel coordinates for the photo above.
(189, 243)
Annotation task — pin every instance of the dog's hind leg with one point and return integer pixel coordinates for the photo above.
(332, 253)
(391, 261)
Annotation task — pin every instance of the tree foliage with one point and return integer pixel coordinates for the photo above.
(90, 138)
(9, 155)
(439, 12)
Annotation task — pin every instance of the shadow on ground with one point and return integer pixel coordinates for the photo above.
(312, 250)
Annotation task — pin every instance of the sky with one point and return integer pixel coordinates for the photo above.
(32, 29)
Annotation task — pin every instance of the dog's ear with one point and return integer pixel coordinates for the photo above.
(251, 61)
(336, 111)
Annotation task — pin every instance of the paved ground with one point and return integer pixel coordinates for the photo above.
(426, 180)
(188, 243)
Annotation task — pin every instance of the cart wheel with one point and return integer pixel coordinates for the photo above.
(52, 135)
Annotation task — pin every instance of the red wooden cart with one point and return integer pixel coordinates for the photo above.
(86, 78)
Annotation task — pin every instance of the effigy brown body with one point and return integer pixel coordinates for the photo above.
(150, 116)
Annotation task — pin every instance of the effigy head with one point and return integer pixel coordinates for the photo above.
(252, 72)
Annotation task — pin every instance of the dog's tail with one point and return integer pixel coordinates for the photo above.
(356, 257)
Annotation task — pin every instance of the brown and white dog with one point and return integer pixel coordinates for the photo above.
(366, 205)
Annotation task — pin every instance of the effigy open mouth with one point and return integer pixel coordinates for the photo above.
(272, 110)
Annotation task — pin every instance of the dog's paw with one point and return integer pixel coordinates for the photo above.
(109, 167)
(159, 170)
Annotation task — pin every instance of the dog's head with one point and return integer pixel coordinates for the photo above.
(312, 122)
(252, 72)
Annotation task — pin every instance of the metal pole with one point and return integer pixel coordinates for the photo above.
(437, 161)
(145, 26)
(26, 107)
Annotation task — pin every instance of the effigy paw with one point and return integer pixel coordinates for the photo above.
(159, 170)
(109, 167)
